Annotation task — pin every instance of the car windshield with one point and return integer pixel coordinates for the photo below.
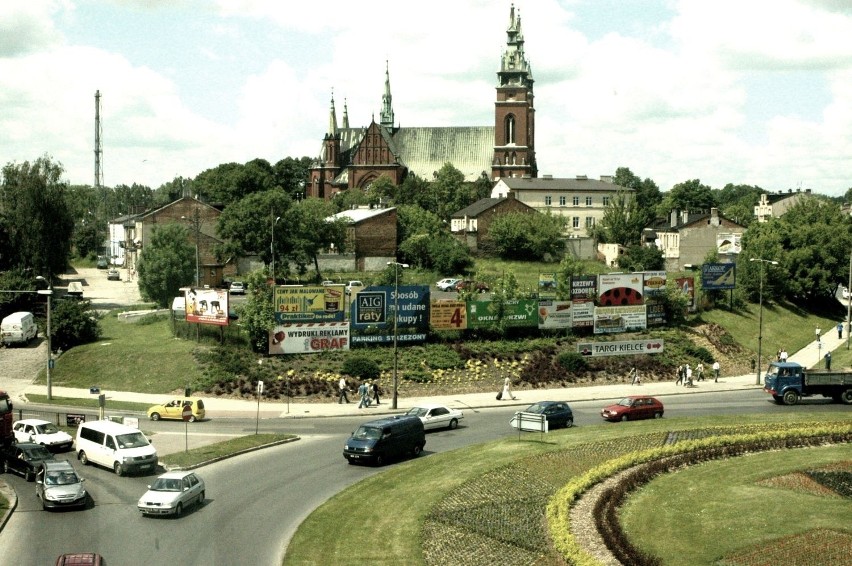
(37, 453)
(626, 402)
(131, 440)
(417, 412)
(47, 428)
(61, 478)
(537, 408)
(166, 484)
(367, 433)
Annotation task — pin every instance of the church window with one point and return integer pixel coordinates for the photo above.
(510, 129)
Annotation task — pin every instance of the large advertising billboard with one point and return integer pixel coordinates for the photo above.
(583, 292)
(717, 276)
(654, 283)
(372, 315)
(619, 289)
(554, 314)
(206, 306)
(628, 318)
(546, 285)
(512, 313)
(298, 303)
(309, 338)
(448, 315)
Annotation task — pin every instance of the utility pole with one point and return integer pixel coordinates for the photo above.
(99, 171)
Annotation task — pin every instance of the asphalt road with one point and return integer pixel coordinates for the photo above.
(256, 502)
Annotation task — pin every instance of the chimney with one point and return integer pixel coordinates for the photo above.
(606, 178)
(547, 177)
(673, 218)
(684, 216)
(582, 178)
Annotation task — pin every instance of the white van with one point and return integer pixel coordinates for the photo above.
(18, 328)
(112, 445)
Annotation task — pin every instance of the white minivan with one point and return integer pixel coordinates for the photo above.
(18, 328)
(116, 446)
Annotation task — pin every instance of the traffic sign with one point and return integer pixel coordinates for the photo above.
(187, 413)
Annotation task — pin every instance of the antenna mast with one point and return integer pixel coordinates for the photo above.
(99, 171)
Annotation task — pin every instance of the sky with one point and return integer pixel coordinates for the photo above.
(732, 91)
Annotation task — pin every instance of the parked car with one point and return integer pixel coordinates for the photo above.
(436, 416)
(469, 285)
(171, 493)
(632, 408)
(354, 286)
(328, 282)
(59, 487)
(557, 413)
(42, 432)
(25, 459)
(75, 289)
(173, 409)
(102, 263)
(448, 284)
(113, 275)
(237, 288)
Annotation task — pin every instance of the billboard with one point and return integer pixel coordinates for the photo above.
(729, 244)
(206, 306)
(627, 348)
(309, 338)
(610, 320)
(654, 283)
(715, 276)
(448, 315)
(618, 289)
(372, 315)
(297, 303)
(687, 287)
(515, 313)
(583, 292)
(554, 314)
(546, 285)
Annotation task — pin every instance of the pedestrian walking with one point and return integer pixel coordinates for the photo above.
(507, 392)
(818, 332)
(828, 360)
(680, 375)
(376, 392)
(716, 369)
(700, 371)
(783, 354)
(840, 330)
(688, 382)
(343, 389)
(363, 394)
(634, 375)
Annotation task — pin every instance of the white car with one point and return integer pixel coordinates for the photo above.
(42, 432)
(354, 287)
(436, 416)
(171, 493)
(237, 288)
(448, 284)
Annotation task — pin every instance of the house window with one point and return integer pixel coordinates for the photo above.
(576, 201)
(606, 201)
(590, 222)
(588, 201)
(562, 201)
(576, 222)
(547, 201)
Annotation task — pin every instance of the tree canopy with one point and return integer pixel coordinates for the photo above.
(530, 237)
(166, 264)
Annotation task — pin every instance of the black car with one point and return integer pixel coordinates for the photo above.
(557, 413)
(25, 459)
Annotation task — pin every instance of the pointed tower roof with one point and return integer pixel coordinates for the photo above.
(515, 70)
(345, 124)
(387, 102)
(332, 117)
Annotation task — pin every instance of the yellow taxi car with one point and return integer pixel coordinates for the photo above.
(174, 409)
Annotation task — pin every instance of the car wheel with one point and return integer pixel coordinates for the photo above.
(83, 458)
(417, 450)
(118, 469)
(179, 510)
(192, 418)
(155, 416)
(846, 397)
(623, 418)
(791, 397)
(380, 460)
(29, 476)
(569, 423)
(6, 469)
(201, 499)
(454, 423)
(658, 415)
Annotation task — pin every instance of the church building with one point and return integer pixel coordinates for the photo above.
(356, 157)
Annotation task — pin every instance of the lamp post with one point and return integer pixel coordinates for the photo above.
(396, 265)
(275, 220)
(849, 301)
(196, 222)
(760, 324)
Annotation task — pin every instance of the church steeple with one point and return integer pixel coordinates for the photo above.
(387, 102)
(332, 117)
(514, 112)
(345, 124)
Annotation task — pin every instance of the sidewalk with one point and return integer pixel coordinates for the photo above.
(219, 407)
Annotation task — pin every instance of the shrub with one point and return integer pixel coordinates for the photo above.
(361, 368)
(572, 362)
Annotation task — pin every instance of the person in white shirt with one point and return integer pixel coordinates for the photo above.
(716, 368)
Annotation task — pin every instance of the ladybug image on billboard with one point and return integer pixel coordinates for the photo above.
(620, 296)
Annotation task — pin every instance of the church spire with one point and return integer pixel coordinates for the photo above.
(514, 67)
(345, 124)
(332, 117)
(387, 106)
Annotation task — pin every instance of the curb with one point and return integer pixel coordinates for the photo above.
(10, 494)
(232, 455)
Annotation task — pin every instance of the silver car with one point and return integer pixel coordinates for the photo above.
(171, 493)
(59, 487)
(436, 416)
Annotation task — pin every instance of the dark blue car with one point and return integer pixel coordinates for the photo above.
(557, 413)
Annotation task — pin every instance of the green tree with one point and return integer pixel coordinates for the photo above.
(530, 237)
(621, 223)
(291, 174)
(690, 195)
(444, 188)
(761, 241)
(646, 195)
(36, 222)
(425, 242)
(166, 264)
(246, 227)
(642, 258)
(312, 232)
(230, 182)
(258, 313)
(73, 322)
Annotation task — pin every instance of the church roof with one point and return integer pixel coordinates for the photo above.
(578, 184)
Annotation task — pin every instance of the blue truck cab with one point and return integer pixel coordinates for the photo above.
(788, 382)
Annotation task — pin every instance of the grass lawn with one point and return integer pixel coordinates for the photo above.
(487, 485)
(721, 506)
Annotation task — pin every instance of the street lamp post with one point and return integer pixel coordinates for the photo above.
(196, 222)
(396, 265)
(760, 323)
(275, 220)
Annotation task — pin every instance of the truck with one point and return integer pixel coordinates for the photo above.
(7, 437)
(788, 382)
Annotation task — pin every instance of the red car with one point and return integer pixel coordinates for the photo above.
(632, 408)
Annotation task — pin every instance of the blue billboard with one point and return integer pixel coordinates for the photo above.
(372, 315)
(717, 276)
